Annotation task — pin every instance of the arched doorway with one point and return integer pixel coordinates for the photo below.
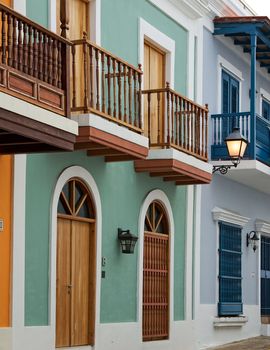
(156, 274)
(76, 266)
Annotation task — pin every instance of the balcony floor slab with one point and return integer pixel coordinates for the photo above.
(101, 137)
(175, 166)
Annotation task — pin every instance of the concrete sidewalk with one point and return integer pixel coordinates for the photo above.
(258, 343)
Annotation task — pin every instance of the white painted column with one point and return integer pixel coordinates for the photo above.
(189, 253)
(190, 65)
(18, 248)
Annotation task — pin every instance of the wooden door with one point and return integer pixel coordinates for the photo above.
(76, 267)
(79, 22)
(7, 2)
(154, 78)
(156, 274)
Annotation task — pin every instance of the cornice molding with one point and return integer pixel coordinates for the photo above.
(230, 217)
(262, 226)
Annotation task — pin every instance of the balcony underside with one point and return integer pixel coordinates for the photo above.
(175, 166)
(20, 134)
(105, 138)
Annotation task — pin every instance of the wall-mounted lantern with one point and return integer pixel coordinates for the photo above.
(127, 241)
(253, 239)
(236, 146)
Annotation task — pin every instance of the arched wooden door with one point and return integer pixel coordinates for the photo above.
(156, 274)
(76, 266)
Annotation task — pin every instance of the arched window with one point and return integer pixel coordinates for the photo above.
(156, 274)
(76, 266)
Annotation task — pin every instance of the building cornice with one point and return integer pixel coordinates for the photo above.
(262, 226)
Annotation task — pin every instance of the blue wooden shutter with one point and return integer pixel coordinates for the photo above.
(266, 109)
(230, 276)
(265, 276)
(225, 92)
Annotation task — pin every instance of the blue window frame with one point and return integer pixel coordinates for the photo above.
(230, 93)
(230, 275)
(230, 101)
(265, 276)
(266, 109)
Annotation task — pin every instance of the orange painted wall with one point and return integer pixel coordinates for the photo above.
(6, 185)
(6, 2)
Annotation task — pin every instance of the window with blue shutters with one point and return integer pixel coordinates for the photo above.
(265, 276)
(266, 109)
(230, 276)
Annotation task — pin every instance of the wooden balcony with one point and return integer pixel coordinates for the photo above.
(177, 130)
(34, 87)
(106, 102)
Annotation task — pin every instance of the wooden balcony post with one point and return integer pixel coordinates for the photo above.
(64, 18)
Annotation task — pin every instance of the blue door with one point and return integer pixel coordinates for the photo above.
(230, 101)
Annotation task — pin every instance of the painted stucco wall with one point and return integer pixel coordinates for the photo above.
(237, 198)
(38, 11)
(120, 28)
(122, 194)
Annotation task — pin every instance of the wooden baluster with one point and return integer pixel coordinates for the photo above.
(91, 77)
(109, 84)
(206, 132)
(119, 91)
(168, 114)
(202, 135)
(136, 117)
(140, 97)
(191, 127)
(60, 68)
(20, 46)
(15, 44)
(195, 145)
(129, 96)
(97, 80)
(25, 48)
(172, 118)
(114, 87)
(125, 92)
(45, 54)
(149, 116)
(176, 121)
(50, 60)
(158, 117)
(4, 40)
(64, 18)
(180, 123)
(54, 62)
(102, 83)
(35, 49)
(184, 124)
(73, 52)
(9, 30)
(40, 56)
(30, 51)
(85, 78)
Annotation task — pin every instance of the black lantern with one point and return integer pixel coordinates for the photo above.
(127, 241)
(252, 238)
(236, 146)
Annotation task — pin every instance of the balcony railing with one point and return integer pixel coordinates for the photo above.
(172, 120)
(257, 132)
(105, 85)
(34, 62)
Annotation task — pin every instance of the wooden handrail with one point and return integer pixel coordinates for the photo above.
(33, 24)
(106, 84)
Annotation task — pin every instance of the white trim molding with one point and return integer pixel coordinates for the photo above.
(262, 226)
(79, 172)
(230, 321)
(160, 196)
(160, 40)
(231, 217)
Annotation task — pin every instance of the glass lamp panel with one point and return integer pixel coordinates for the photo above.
(243, 149)
(234, 148)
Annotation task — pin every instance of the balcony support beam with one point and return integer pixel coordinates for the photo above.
(253, 42)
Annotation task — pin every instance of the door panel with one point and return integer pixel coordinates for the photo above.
(154, 78)
(63, 281)
(80, 283)
(6, 2)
